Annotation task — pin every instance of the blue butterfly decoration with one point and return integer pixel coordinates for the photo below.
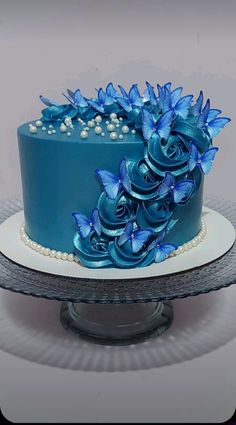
(87, 226)
(130, 100)
(177, 104)
(161, 250)
(103, 100)
(49, 102)
(113, 184)
(178, 191)
(209, 120)
(160, 127)
(137, 237)
(197, 108)
(163, 93)
(76, 98)
(204, 161)
(150, 95)
(112, 92)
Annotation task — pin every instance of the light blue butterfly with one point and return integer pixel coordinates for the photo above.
(209, 120)
(160, 127)
(150, 95)
(87, 226)
(113, 184)
(163, 94)
(48, 102)
(137, 237)
(111, 91)
(76, 98)
(130, 100)
(178, 191)
(204, 161)
(197, 108)
(102, 100)
(162, 250)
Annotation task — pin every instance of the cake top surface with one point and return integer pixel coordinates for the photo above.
(121, 115)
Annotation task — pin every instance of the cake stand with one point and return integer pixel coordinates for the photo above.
(124, 311)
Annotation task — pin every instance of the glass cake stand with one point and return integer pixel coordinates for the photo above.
(122, 311)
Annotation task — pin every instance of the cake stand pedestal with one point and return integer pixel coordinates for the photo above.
(125, 311)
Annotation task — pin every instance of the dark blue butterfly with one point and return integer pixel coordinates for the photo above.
(178, 191)
(150, 95)
(136, 237)
(103, 100)
(76, 98)
(160, 127)
(48, 102)
(113, 184)
(204, 161)
(86, 226)
(197, 108)
(209, 120)
(130, 100)
(162, 250)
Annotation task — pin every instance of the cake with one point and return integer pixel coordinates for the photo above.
(117, 180)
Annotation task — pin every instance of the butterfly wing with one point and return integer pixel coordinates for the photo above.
(83, 224)
(125, 236)
(163, 251)
(110, 183)
(124, 176)
(166, 184)
(149, 125)
(216, 125)
(125, 104)
(213, 113)
(151, 94)
(197, 108)
(134, 96)
(111, 91)
(193, 157)
(207, 159)
(139, 239)
(182, 106)
(79, 100)
(48, 102)
(163, 125)
(181, 190)
(175, 96)
(202, 119)
(96, 105)
(96, 222)
(123, 92)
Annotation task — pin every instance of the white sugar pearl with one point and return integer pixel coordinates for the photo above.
(68, 134)
(49, 132)
(44, 128)
(133, 131)
(125, 129)
(107, 122)
(33, 129)
(50, 126)
(71, 257)
(67, 121)
(84, 134)
(90, 124)
(120, 119)
(110, 127)
(121, 137)
(98, 119)
(113, 116)
(117, 125)
(64, 256)
(38, 123)
(86, 128)
(113, 135)
(63, 128)
(98, 130)
(102, 134)
(58, 255)
(47, 251)
(53, 131)
(53, 253)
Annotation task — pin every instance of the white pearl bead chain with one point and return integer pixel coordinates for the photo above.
(71, 257)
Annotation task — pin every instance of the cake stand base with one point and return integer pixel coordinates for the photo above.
(120, 324)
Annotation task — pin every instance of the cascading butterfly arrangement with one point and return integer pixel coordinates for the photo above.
(134, 212)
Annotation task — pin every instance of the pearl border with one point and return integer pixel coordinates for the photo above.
(65, 256)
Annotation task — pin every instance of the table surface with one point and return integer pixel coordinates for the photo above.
(187, 375)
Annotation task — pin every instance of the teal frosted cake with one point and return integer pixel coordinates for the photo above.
(117, 180)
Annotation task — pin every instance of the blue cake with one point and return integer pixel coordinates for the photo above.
(117, 180)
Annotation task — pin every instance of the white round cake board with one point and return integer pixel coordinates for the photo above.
(218, 240)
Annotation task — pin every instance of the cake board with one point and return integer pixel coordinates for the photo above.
(119, 311)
